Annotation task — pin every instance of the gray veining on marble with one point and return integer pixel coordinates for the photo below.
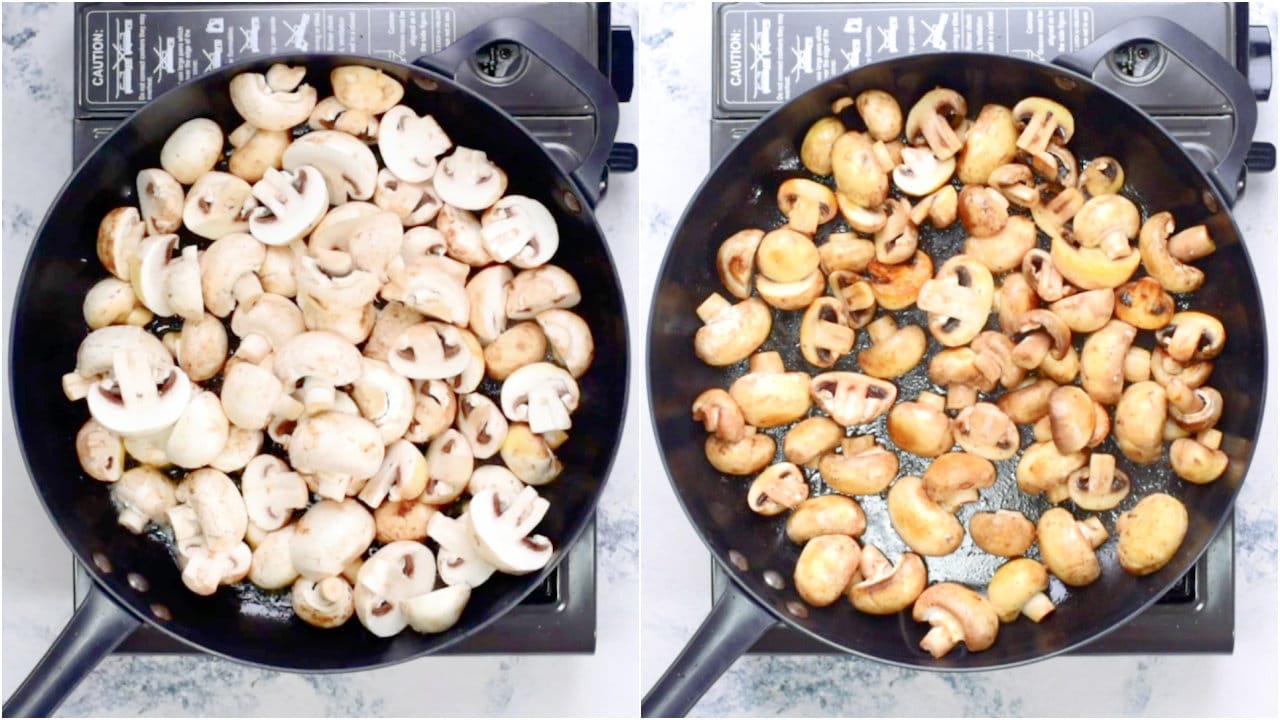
(37, 584)
(676, 593)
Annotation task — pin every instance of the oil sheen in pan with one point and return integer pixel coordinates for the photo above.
(968, 564)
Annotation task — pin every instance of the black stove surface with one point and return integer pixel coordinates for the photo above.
(767, 53)
(127, 54)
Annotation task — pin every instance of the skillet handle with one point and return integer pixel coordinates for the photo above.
(1228, 176)
(96, 628)
(734, 625)
(568, 63)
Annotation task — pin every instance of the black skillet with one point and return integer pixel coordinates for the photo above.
(239, 624)
(740, 193)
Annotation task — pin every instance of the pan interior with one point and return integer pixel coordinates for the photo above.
(242, 622)
(741, 193)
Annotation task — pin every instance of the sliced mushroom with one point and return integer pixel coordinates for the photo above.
(1139, 423)
(855, 295)
(958, 300)
(982, 210)
(429, 351)
(984, 430)
(719, 414)
(1102, 361)
(467, 179)
(291, 205)
(880, 588)
(808, 439)
(735, 261)
(1016, 183)
(731, 332)
(200, 432)
(939, 208)
(348, 166)
(338, 448)
(1100, 486)
(1102, 175)
(791, 295)
(859, 176)
(218, 204)
(255, 150)
(321, 361)
(934, 119)
(459, 560)
(541, 394)
(402, 520)
(860, 468)
(272, 106)
(272, 491)
(542, 288)
(1107, 222)
(921, 172)
(409, 144)
(1067, 546)
(1144, 304)
(1042, 122)
(329, 536)
(1192, 336)
(895, 241)
(815, 149)
(228, 272)
(481, 422)
(786, 256)
(1090, 268)
(806, 204)
(502, 536)
(100, 451)
(956, 614)
(1013, 297)
(1006, 533)
(396, 572)
(852, 398)
(923, 525)
(1018, 588)
(415, 203)
(326, 603)
(438, 610)
(138, 396)
(161, 200)
(1150, 533)
(519, 345)
(519, 230)
(894, 351)
(1154, 241)
(777, 489)
(528, 455)
(119, 234)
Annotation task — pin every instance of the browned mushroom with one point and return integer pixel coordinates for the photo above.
(807, 204)
(860, 468)
(769, 395)
(897, 286)
(825, 335)
(736, 261)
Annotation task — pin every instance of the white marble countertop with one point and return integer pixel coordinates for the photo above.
(676, 592)
(37, 593)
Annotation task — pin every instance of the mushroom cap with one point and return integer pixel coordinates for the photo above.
(852, 398)
(542, 288)
(859, 177)
(482, 423)
(922, 524)
(1065, 549)
(542, 394)
(161, 200)
(807, 204)
(519, 230)
(1090, 268)
(1195, 462)
(148, 275)
(143, 397)
(414, 203)
(1086, 312)
(200, 432)
(570, 339)
(227, 272)
(786, 256)
(897, 239)
(271, 108)
(191, 150)
(402, 520)
(825, 335)
(815, 149)
(922, 172)
(487, 302)
(218, 507)
(791, 295)
(517, 346)
(933, 120)
(1042, 121)
(384, 397)
(1027, 403)
(119, 235)
(920, 428)
(1106, 219)
(963, 613)
(897, 286)
(989, 144)
(1102, 175)
(958, 300)
(255, 150)
(862, 467)
(272, 566)
(348, 166)
(982, 210)
(826, 515)
(1191, 336)
(1150, 533)
(409, 144)
(100, 451)
(366, 89)
(1173, 275)
(1071, 418)
(467, 179)
(143, 496)
(328, 536)
(1100, 486)
(272, 491)
(1042, 469)
(1144, 304)
(1102, 361)
(336, 443)
(501, 535)
(880, 588)
(450, 464)
(242, 445)
(1004, 250)
(437, 610)
(531, 459)
(1014, 585)
(769, 398)
(1139, 422)
(881, 114)
(804, 442)
(1007, 533)
(825, 566)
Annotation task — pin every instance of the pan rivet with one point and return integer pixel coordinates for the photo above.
(739, 560)
(1065, 83)
(161, 612)
(797, 609)
(1210, 202)
(571, 202)
(774, 580)
(102, 562)
(137, 582)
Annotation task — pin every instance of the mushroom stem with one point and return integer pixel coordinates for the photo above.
(767, 362)
(1191, 244)
(134, 520)
(546, 410)
(332, 485)
(1038, 607)
(711, 307)
(960, 396)
(944, 635)
(1183, 398)
(1211, 438)
(254, 348)
(317, 395)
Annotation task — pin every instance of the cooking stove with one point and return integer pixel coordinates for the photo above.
(127, 54)
(767, 53)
